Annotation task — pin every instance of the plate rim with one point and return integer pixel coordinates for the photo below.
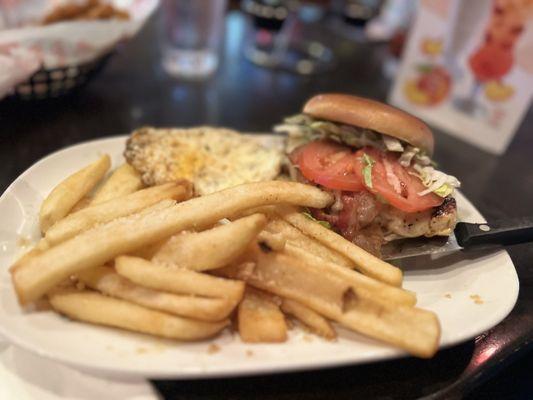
(267, 368)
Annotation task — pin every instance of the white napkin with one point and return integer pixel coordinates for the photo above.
(26, 376)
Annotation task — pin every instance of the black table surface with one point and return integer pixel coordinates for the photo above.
(133, 91)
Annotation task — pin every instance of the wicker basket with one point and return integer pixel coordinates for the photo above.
(56, 82)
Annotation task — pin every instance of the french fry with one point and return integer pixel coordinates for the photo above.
(412, 329)
(181, 281)
(92, 215)
(102, 310)
(365, 286)
(273, 240)
(24, 258)
(365, 262)
(107, 281)
(310, 318)
(260, 319)
(39, 248)
(409, 328)
(270, 211)
(80, 205)
(43, 246)
(123, 181)
(307, 243)
(71, 190)
(289, 277)
(96, 246)
(149, 250)
(210, 249)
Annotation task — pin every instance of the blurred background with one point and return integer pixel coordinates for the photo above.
(71, 71)
(465, 67)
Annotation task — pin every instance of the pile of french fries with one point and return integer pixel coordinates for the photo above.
(158, 261)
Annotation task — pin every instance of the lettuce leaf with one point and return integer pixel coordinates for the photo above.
(325, 224)
(367, 169)
(444, 190)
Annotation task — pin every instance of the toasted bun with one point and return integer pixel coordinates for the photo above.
(370, 114)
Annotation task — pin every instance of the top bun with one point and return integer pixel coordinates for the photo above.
(370, 114)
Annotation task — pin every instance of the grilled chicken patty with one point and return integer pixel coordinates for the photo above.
(438, 221)
(361, 218)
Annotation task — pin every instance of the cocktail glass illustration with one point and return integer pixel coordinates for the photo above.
(494, 58)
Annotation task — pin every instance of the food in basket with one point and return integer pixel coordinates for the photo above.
(90, 10)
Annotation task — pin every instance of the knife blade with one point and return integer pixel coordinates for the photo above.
(466, 236)
(405, 248)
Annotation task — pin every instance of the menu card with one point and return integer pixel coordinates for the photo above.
(467, 68)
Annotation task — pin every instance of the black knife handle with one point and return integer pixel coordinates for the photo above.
(501, 232)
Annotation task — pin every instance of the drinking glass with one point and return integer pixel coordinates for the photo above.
(191, 33)
(283, 35)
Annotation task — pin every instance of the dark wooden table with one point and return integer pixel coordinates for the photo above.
(133, 91)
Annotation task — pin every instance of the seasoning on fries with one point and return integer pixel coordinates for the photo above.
(410, 328)
(121, 236)
(123, 181)
(161, 263)
(260, 320)
(180, 281)
(65, 195)
(210, 249)
(364, 261)
(102, 310)
(115, 208)
(107, 281)
(299, 239)
(315, 322)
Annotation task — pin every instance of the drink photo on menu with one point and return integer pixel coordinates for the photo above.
(468, 68)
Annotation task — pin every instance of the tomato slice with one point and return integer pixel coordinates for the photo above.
(394, 182)
(334, 166)
(329, 164)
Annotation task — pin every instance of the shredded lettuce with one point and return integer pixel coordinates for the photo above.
(302, 128)
(408, 155)
(298, 119)
(367, 169)
(444, 190)
(413, 155)
(436, 181)
(325, 126)
(325, 224)
(392, 144)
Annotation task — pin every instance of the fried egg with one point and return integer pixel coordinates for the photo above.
(212, 158)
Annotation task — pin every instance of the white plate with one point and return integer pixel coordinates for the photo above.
(26, 376)
(469, 295)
